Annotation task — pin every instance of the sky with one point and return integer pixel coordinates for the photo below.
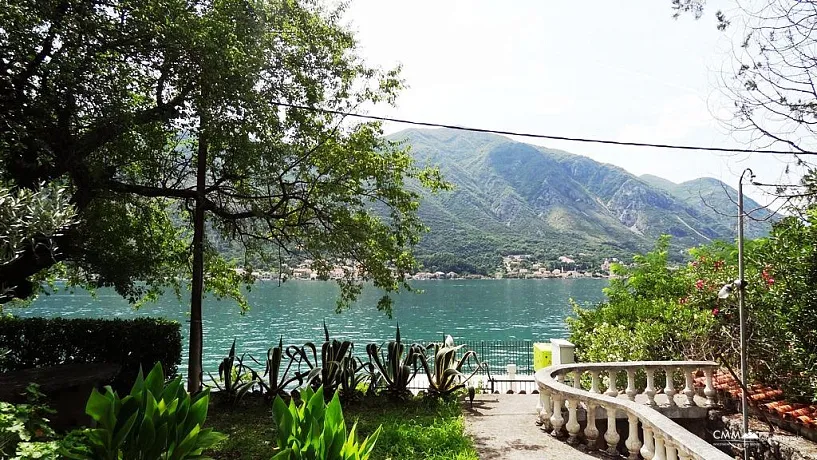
(620, 70)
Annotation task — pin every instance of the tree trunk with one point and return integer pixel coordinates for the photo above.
(194, 363)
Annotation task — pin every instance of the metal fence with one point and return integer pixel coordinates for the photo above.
(499, 353)
(496, 354)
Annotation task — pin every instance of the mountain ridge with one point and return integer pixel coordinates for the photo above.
(514, 198)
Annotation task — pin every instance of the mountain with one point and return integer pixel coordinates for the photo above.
(719, 201)
(516, 198)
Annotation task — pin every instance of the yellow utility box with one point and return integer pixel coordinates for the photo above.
(542, 355)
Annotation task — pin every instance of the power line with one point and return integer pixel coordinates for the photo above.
(535, 136)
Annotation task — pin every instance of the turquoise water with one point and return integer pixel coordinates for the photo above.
(466, 309)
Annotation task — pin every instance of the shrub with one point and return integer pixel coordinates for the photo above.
(313, 430)
(155, 421)
(648, 315)
(132, 343)
(23, 427)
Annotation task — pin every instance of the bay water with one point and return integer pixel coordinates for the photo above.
(295, 310)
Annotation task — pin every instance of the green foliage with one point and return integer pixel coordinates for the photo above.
(133, 343)
(313, 430)
(416, 428)
(655, 312)
(164, 81)
(398, 367)
(277, 380)
(781, 302)
(31, 217)
(329, 372)
(235, 378)
(446, 376)
(155, 421)
(647, 315)
(24, 430)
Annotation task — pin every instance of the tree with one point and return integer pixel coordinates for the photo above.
(771, 83)
(147, 110)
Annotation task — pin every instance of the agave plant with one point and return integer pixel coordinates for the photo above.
(446, 376)
(277, 381)
(398, 366)
(313, 430)
(328, 372)
(354, 374)
(236, 377)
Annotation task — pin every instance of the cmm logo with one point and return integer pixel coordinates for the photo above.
(733, 436)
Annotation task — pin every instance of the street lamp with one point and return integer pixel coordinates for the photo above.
(725, 291)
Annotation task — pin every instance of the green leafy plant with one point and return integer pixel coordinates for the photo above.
(313, 430)
(277, 381)
(20, 424)
(235, 376)
(155, 421)
(398, 366)
(355, 374)
(446, 376)
(329, 371)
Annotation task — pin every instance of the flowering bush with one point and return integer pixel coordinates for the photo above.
(658, 312)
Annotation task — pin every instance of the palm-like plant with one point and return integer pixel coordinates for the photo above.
(329, 371)
(398, 366)
(235, 376)
(446, 376)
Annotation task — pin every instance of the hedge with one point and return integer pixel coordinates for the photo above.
(43, 342)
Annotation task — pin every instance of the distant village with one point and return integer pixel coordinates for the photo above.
(518, 266)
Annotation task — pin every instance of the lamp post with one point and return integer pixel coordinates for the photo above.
(740, 284)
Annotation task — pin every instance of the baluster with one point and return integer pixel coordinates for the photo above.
(556, 420)
(577, 378)
(689, 390)
(669, 388)
(545, 412)
(660, 451)
(648, 449)
(632, 443)
(612, 391)
(611, 436)
(709, 390)
(631, 392)
(650, 389)
(573, 427)
(683, 454)
(672, 452)
(590, 431)
(594, 385)
(539, 406)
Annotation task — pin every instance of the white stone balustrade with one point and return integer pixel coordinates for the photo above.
(663, 439)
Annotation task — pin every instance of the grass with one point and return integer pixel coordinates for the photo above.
(420, 428)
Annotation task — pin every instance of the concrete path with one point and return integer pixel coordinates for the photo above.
(504, 428)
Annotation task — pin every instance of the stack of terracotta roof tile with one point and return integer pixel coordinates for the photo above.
(765, 399)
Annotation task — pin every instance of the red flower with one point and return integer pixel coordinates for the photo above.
(767, 277)
(715, 312)
(699, 285)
